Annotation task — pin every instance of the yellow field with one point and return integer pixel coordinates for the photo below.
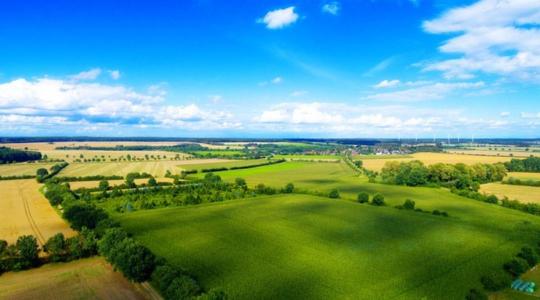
(52, 146)
(25, 210)
(509, 153)
(430, 158)
(155, 168)
(90, 278)
(514, 192)
(95, 183)
(524, 175)
(22, 168)
(108, 155)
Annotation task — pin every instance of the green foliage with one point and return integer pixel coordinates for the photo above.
(475, 294)
(363, 197)
(9, 155)
(28, 251)
(334, 194)
(409, 204)
(529, 164)
(492, 199)
(516, 266)
(529, 255)
(103, 185)
(82, 214)
(289, 188)
(55, 246)
(496, 281)
(378, 200)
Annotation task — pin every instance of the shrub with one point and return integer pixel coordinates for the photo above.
(55, 246)
(378, 200)
(334, 194)
(475, 294)
(289, 188)
(529, 255)
(516, 266)
(496, 281)
(213, 295)
(363, 197)
(28, 251)
(182, 287)
(409, 204)
(492, 199)
(82, 214)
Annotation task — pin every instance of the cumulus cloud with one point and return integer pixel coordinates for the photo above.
(87, 75)
(332, 8)
(386, 84)
(493, 36)
(423, 92)
(58, 101)
(279, 18)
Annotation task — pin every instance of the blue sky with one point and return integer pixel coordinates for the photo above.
(350, 68)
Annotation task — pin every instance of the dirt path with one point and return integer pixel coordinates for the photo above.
(24, 210)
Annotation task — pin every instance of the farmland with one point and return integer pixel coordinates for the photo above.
(515, 192)
(19, 169)
(112, 155)
(155, 168)
(25, 211)
(90, 278)
(432, 158)
(300, 246)
(220, 163)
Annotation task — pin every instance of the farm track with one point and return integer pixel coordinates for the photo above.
(31, 221)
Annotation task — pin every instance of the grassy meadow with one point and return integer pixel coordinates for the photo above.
(308, 247)
(90, 278)
(222, 163)
(322, 157)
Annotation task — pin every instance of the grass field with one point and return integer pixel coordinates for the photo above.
(90, 278)
(155, 168)
(430, 158)
(222, 163)
(308, 157)
(26, 211)
(515, 192)
(22, 168)
(307, 247)
(510, 294)
(54, 145)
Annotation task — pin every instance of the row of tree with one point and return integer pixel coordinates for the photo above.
(43, 174)
(460, 176)
(529, 164)
(9, 155)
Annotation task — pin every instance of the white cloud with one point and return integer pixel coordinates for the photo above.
(277, 80)
(504, 114)
(279, 18)
(432, 91)
(332, 8)
(87, 75)
(115, 74)
(493, 36)
(379, 67)
(50, 101)
(298, 93)
(386, 84)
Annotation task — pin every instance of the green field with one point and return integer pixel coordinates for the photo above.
(307, 247)
(308, 157)
(225, 163)
(18, 169)
(221, 153)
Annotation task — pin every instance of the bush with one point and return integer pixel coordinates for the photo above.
(496, 281)
(516, 266)
(475, 294)
(289, 188)
(378, 200)
(55, 246)
(28, 251)
(334, 194)
(363, 197)
(82, 214)
(182, 287)
(492, 199)
(529, 255)
(409, 204)
(213, 295)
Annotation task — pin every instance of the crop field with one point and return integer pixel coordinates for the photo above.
(308, 247)
(26, 211)
(54, 145)
(155, 168)
(108, 155)
(524, 175)
(222, 163)
(18, 169)
(90, 278)
(429, 158)
(509, 153)
(95, 183)
(514, 192)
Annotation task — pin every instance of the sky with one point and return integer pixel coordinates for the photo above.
(276, 69)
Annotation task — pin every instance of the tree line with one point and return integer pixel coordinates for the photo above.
(10, 155)
(529, 164)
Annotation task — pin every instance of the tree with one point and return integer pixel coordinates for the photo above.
(28, 250)
(492, 199)
(55, 246)
(334, 194)
(409, 204)
(152, 181)
(496, 281)
(82, 214)
(289, 188)
(475, 294)
(378, 200)
(103, 185)
(182, 287)
(3, 247)
(516, 266)
(528, 254)
(240, 182)
(363, 197)
(214, 294)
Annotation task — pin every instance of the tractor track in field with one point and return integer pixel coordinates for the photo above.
(30, 219)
